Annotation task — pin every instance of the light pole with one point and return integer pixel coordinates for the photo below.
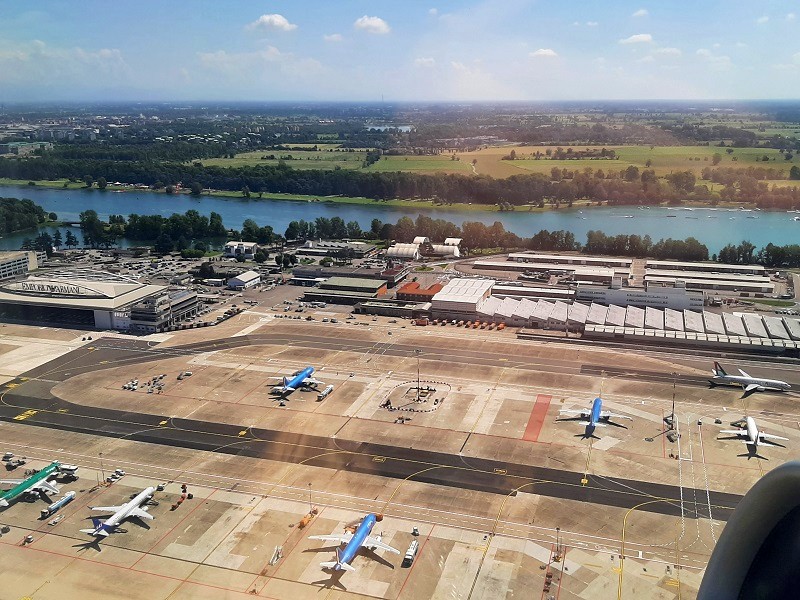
(102, 470)
(418, 352)
(672, 416)
(310, 501)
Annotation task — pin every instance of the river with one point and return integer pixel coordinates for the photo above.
(713, 227)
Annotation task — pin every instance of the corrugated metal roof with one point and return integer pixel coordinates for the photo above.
(775, 328)
(578, 312)
(597, 314)
(713, 323)
(634, 317)
(793, 326)
(616, 315)
(733, 324)
(560, 312)
(653, 318)
(525, 309)
(489, 308)
(673, 320)
(507, 307)
(754, 326)
(543, 310)
(693, 321)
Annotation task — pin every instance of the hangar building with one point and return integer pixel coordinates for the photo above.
(95, 299)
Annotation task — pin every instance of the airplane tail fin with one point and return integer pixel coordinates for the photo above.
(3, 502)
(718, 370)
(338, 564)
(285, 382)
(99, 528)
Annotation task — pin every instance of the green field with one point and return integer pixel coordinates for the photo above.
(424, 164)
(663, 159)
(328, 157)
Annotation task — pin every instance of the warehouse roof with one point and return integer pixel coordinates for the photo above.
(616, 315)
(653, 318)
(754, 325)
(733, 324)
(713, 323)
(578, 312)
(793, 326)
(693, 321)
(634, 317)
(247, 276)
(597, 314)
(353, 282)
(775, 328)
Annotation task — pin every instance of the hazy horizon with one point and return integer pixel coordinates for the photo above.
(419, 52)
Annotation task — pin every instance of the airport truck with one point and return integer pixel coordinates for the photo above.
(324, 393)
(411, 553)
(68, 497)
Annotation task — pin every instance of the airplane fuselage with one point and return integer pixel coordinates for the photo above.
(752, 431)
(361, 533)
(125, 511)
(597, 407)
(295, 382)
(763, 384)
(22, 488)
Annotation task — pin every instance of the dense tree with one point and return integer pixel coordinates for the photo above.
(70, 240)
(164, 244)
(57, 240)
(101, 183)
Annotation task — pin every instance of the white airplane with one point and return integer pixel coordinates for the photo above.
(753, 435)
(749, 384)
(122, 512)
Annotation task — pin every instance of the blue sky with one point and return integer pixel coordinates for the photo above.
(403, 50)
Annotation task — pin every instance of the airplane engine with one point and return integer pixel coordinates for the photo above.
(758, 553)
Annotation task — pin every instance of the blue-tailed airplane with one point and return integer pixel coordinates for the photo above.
(300, 379)
(353, 541)
(596, 417)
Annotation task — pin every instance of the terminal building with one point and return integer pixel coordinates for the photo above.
(346, 290)
(94, 299)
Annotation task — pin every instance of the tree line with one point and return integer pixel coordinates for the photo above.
(630, 186)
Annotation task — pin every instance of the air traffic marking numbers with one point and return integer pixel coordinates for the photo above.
(500, 471)
(163, 422)
(243, 433)
(379, 459)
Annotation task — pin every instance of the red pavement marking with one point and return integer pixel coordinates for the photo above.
(538, 415)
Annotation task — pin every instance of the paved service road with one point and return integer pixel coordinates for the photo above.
(32, 393)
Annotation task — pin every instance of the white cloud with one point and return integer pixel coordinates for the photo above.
(718, 61)
(668, 52)
(35, 61)
(459, 66)
(426, 62)
(639, 38)
(372, 25)
(433, 12)
(762, 20)
(796, 58)
(646, 59)
(642, 12)
(261, 64)
(592, 23)
(791, 17)
(741, 45)
(275, 22)
(334, 37)
(543, 53)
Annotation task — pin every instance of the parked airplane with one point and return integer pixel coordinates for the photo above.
(122, 512)
(749, 384)
(36, 484)
(353, 542)
(300, 379)
(596, 417)
(753, 435)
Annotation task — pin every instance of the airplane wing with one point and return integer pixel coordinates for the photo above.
(111, 509)
(142, 514)
(342, 538)
(750, 388)
(45, 486)
(768, 436)
(372, 542)
(312, 381)
(587, 423)
(11, 481)
(743, 373)
(734, 431)
(609, 415)
(567, 411)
